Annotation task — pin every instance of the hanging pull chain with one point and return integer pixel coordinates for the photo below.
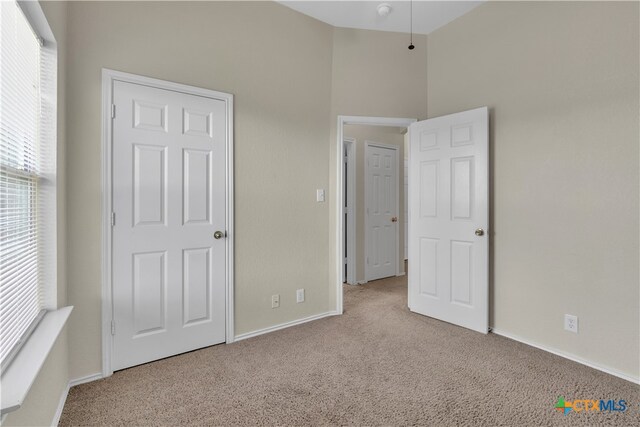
(411, 46)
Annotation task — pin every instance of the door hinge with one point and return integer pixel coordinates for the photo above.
(113, 219)
(113, 111)
(113, 327)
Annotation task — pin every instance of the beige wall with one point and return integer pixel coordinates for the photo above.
(40, 406)
(373, 74)
(561, 81)
(384, 135)
(562, 84)
(277, 63)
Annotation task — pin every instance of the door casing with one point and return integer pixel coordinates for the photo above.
(350, 237)
(339, 237)
(108, 79)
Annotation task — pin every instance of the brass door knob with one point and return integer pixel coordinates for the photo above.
(479, 232)
(218, 235)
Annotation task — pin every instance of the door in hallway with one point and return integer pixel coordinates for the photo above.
(448, 219)
(381, 204)
(169, 196)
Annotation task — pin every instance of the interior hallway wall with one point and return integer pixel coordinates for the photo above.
(561, 80)
(373, 74)
(384, 135)
(280, 65)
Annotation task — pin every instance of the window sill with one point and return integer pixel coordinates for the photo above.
(20, 375)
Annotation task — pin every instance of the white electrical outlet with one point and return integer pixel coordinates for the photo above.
(571, 323)
(320, 195)
(300, 295)
(275, 301)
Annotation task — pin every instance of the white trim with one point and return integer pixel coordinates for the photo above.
(20, 375)
(401, 274)
(367, 145)
(569, 356)
(65, 394)
(86, 379)
(108, 78)
(106, 180)
(36, 17)
(284, 325)
(352, 265)
(351, 120)
(60, 408)
(48, 143)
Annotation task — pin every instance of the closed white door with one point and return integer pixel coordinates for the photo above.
(381, 200)
(169, 152)
(448, 220)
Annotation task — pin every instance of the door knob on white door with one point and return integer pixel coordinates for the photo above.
(394, 219)
(479, 232)
(219, 235)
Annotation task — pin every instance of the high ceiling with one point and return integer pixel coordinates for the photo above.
(427, 15)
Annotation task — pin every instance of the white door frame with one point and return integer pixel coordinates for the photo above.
(108, 79)
(368, 144)
(351, 215)
(351, 120)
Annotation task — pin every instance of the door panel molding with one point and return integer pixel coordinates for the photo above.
(367, 232)
(449, 219)
(109, 77)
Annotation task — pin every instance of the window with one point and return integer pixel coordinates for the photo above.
(27, 179)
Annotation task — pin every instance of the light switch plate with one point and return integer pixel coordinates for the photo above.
(320, 195)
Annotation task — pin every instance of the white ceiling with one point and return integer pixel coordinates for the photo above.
(427, 15)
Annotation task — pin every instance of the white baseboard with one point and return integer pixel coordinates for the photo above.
(569, 356)
(284, 325)
(65, 394)
(400, 274)
(63, 400)
(86, 379)
(362, 282)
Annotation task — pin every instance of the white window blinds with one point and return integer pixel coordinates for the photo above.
(20, 175)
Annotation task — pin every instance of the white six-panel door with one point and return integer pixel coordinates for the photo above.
(381, 201)
(448, 219)
(169, 151)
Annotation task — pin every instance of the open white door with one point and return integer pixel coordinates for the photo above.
(449, 217)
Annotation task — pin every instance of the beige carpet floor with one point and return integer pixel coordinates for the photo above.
(378, 364)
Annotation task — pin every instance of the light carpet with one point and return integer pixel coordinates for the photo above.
(378, 364)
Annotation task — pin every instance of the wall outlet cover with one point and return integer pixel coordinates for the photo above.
(571, 323)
